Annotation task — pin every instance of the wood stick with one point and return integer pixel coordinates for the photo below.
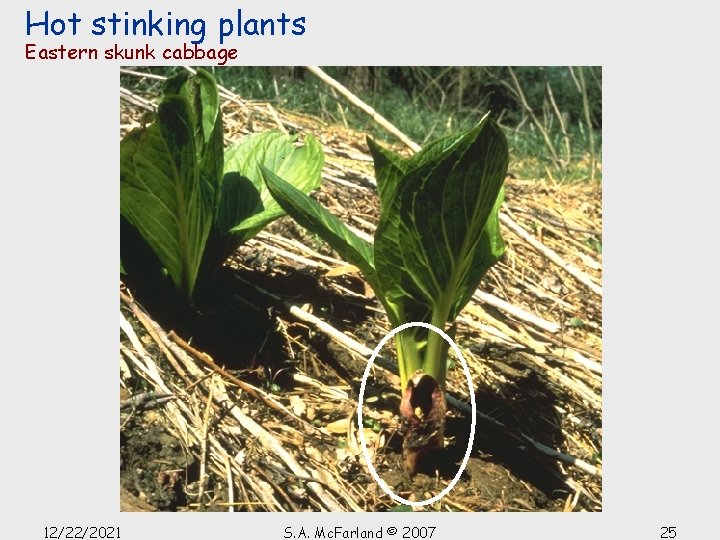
(515, 311)
(218, 392)
(563, 236)
(139, 102)
(290, 242)
(286, 254)
(262, 491)
(229, 478)
(352, 98)
(575, 272)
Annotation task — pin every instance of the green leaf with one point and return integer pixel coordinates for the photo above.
(185, 202)
(170, 178)
(311, 215)
(576, 322)
(299, 165)
(488, 252)
(389, 168)
(440, 212)
(404, 300)
(239, 199)
(246, 205)
(436, 149)
(200, 92)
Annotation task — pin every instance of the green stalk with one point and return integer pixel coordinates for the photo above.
(408, 353)
(436, 355)
(430, 358)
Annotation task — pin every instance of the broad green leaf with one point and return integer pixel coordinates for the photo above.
(426, 243)
(138, 258)
(239, 198)
(395, 287)
(169, 181)
(174, 84)
(200, 92)
(407, 300)
(311, 215)
(389, 168)
(437, 149)
(245, 204)
(299, 165)
(401, 286)
(191, 203)
(489, 251)
(404, 300)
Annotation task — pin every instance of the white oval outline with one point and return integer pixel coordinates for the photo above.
(468, 376)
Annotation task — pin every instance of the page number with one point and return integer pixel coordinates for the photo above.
(668, 532)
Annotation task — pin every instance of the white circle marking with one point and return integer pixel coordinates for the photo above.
(374, 473)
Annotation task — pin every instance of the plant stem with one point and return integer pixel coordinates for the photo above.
(408, 353)
(433, 359)
(436, 354)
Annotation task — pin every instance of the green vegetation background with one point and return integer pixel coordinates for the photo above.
(552, 116)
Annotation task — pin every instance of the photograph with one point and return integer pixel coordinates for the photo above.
(361, 289)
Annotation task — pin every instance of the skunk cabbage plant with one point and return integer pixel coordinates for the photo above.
(191, 201)
(437, 237)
